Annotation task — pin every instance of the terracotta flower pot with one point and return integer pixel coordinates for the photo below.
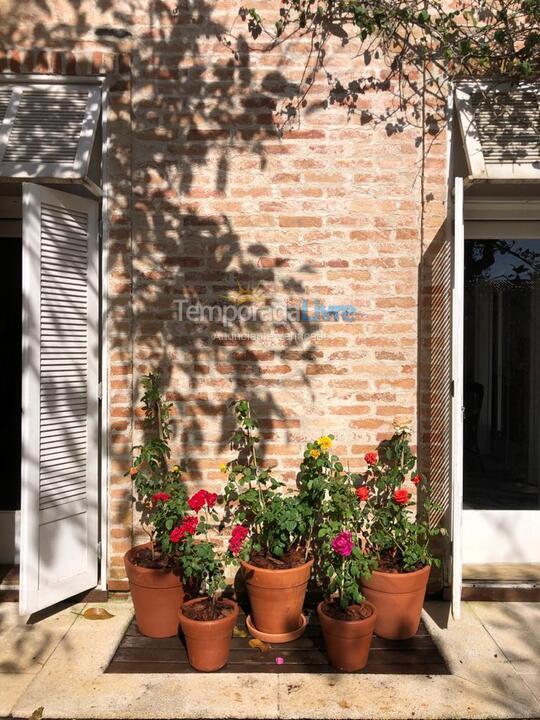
(157, 595)
(399, 598)
(347, 642)
(208, 642)
(277, 598)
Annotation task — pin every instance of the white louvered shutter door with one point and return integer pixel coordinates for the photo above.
(59, 509)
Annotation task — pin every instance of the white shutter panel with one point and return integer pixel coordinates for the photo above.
(48, 130)
(59, 504)
(457, 399)
(500, 126)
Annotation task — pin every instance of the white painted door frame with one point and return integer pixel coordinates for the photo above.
(458, 263)
(479, 218)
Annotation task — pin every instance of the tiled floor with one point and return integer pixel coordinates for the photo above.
(59, 664)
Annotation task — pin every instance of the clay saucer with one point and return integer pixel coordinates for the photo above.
(279, 637)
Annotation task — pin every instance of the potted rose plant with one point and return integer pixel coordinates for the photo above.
(337, 522)
(399, 538)
(268, 537)
(154, 575)
(208, 620)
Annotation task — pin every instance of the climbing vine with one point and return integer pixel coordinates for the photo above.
(438, 40)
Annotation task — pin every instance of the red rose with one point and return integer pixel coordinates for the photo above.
(240, 531)
(401, 496)
(160, 497)
(196, 502)
(371, 458)
(417, 479)
(176, 534)
(238, 535)
(211, 499)
(188, 527)
(201, 498)
(190, 524)
(363, 493)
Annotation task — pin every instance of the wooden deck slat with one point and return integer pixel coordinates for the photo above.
(416, 643)
(139, 654)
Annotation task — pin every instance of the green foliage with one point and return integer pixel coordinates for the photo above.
(151, 472)
(319, 468)
(201, 563)
(480, 39)
(254, 498)
(395, 533)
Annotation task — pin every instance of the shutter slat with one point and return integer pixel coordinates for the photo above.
(508, 124)
(48, 131)
(64, 355)
(39, 110)
(5, 95)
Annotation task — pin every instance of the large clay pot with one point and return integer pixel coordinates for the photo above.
(157, 595)
(399, 598)
(276, 598)
(347, 642)
(208, 642)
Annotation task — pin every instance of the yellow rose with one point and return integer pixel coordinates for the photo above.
(314, 453)
(176, 469)
(402, 424)
(325, 443)
(223, 468)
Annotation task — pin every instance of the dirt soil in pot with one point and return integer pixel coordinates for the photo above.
(351, 613)
(205, 610)
(393, 565)
(291, 559)
(143, 558)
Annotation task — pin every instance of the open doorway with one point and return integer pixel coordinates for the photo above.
(501, 331)
(10, 380)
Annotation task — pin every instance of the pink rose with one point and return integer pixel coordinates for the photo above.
(343, 544)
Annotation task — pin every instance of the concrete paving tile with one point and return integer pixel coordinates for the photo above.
(24, 648)
(533, 682)
(515, 627)
(391, 697)
(73, 685)
(11, 688)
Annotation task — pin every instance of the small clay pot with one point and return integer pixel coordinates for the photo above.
(157, 595)
(347, 642)
(399, 598)
(208, 641)
(276, 598)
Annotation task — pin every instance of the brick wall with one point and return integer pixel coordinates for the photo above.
(207, 194)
